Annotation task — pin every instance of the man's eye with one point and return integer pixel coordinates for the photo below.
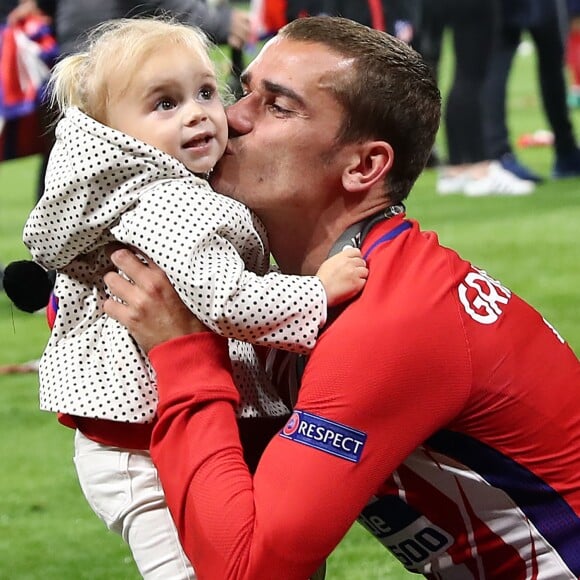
(165, 104)
(275, 108)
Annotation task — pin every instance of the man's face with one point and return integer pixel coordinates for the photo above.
(172, 103)
(282, 152)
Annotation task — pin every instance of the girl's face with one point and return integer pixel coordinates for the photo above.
(172, 103)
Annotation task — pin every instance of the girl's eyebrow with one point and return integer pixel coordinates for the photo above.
(158, 86)
(165, 83)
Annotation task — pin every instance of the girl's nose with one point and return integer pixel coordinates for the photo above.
(194, 113)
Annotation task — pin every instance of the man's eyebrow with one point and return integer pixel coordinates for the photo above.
(274, 88)
(277, 89)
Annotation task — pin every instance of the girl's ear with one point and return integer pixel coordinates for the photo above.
(369, 164)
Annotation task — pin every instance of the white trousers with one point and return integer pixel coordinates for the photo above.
(124, 490)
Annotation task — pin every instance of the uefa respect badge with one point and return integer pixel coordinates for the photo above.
(324, 435)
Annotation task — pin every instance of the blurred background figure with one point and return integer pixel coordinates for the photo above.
(469, 169)
(573, 52)
(268, 16)
(224, 23)
(428, 35)
(27, 51)
(73, 18)
(545, 21)
(395, 16)
(428, 40)
(300, 8)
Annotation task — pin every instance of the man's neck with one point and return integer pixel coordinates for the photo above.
(297, 251)
(301, 243)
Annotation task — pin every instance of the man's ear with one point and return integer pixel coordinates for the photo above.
(369, 163)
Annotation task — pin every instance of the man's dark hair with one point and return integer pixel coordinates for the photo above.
(390, 95)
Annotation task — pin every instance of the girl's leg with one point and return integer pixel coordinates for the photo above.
(123, 489)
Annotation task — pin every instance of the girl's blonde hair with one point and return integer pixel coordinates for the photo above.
(116, 46)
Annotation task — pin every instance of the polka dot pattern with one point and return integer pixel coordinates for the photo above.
(103, 185)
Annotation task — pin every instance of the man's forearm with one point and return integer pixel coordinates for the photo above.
(194, 425)
(229, 522)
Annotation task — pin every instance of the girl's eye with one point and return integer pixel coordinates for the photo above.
(165, 105)
(207, 93)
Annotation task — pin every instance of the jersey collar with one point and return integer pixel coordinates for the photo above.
(355, 235)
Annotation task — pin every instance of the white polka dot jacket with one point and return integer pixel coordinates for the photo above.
(104, 186)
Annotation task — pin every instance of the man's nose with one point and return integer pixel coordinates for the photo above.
(239, 118)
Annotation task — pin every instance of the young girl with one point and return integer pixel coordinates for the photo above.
(142, 127)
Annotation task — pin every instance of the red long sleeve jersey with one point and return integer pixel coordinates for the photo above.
(438, 408)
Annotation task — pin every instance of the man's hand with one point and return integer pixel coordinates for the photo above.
(147, 304)
(343, 275)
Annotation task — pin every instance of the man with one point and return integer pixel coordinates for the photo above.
(438, 407)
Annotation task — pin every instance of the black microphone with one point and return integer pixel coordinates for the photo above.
(28, 285)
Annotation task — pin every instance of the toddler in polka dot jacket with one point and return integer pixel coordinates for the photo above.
(142, 126)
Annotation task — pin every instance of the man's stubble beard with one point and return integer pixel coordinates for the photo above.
(217, 182)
